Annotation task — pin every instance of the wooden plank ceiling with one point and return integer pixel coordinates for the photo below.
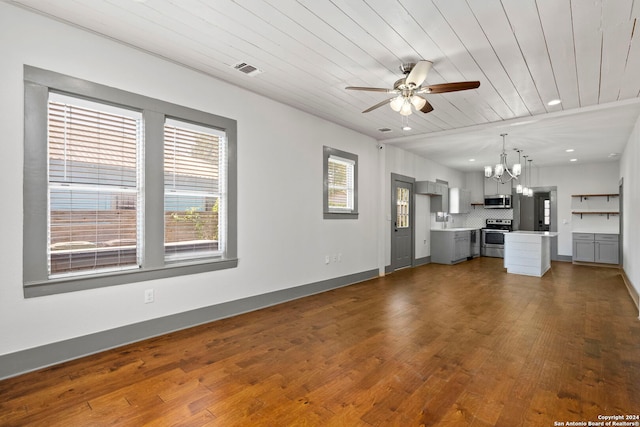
(524, 52)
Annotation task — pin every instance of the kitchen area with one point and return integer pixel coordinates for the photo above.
(578, 219)
(480, 224)
(466, 224)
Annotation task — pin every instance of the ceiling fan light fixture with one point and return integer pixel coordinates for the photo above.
(406, 109)
(407, 89)
(418, 102)
(396, 103)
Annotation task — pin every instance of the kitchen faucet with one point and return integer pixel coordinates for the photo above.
(446, 217)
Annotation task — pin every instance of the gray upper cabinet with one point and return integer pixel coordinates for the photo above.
(439, 193)
(493, 187)
(425, 187)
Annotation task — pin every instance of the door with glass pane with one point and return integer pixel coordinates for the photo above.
(402, 222)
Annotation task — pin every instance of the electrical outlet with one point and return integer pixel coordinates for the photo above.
(148, 296)
(327, 260)
(335, 258)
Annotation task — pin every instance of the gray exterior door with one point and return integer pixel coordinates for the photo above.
(402, 222)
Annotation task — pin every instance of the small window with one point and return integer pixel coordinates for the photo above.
(547, 212)
(402, 208)
(340, 184)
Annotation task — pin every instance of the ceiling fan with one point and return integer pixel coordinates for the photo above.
(408, 90)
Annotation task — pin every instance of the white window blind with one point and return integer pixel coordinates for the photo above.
(340, 176)
(94, 186)
(194, 190)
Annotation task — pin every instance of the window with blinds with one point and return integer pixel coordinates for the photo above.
(121, 188)
(93, 186)
(193, 190)
(340, 176)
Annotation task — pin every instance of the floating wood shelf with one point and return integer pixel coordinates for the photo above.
(594, 213)
(477, 204)
(586, 196)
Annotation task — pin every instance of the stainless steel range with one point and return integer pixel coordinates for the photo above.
(492, 243)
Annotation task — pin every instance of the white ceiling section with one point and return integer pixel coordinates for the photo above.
(524, 53)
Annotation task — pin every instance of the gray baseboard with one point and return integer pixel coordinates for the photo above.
(422, 261)
(564, 258)
(23, 361)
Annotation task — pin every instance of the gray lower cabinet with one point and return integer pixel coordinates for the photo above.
(607, 250)
(450, 247)
(595, 247)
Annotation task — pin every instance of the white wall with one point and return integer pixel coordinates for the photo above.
(595, 178)
(282, 238)
(630, 172)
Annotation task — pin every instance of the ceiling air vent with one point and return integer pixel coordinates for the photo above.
(247, 69)
(385, 130)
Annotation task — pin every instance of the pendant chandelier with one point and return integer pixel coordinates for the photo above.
(529, 192)
(501, 172)
(526, 189)
(523, 189)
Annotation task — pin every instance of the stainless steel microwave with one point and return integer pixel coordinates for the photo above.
(498, 201)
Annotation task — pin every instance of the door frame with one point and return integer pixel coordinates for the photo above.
(538, 209)
(621, 223)
(412, 209)
(553, 227)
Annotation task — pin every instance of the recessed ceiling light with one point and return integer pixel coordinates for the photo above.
(614, 154)
(472, 160)
(405, 128)
(573, 160)
(569, 150)
(554, 102)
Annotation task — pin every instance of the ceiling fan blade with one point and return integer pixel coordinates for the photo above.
(450, 87)
(370, 89)
(378, 105)
(418, 73)
(427, 108)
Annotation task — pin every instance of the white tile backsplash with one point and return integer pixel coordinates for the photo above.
(476, 218)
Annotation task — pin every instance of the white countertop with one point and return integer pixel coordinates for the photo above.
(455, 229)
(596, 231)
(536, 233)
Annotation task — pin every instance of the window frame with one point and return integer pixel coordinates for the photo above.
(36, 282)
(329, 152)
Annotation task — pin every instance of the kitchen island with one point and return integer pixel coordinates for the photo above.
(528, 252)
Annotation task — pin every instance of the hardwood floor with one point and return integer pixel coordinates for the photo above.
(435, 345)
